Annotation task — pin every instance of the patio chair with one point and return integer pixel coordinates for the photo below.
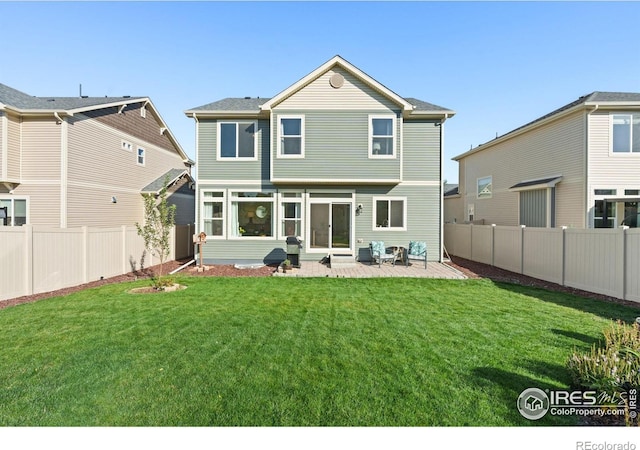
(417, 251)
(379, 253)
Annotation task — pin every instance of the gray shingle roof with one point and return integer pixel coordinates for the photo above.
(253, 104)
(158, 183)
(20, 100)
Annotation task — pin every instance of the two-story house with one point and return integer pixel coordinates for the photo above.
(578, 166)
(85, 161)
(337, 159)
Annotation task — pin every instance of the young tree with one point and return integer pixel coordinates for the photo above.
(159, 219)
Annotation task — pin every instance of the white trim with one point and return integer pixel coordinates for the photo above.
(144, 156)
(222, 200)
(394, 137)
(388, 198)
(4, 148)
(252, 184)
(337, 60)
(219, 156)
(280, 136)
(630, 153)
(478, 185)
(336, 180)
(280, 210)
(26, 198)
(126, 145)
(231, 199)
(64, 171)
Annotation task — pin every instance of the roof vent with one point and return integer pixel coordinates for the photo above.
(126, 96)
(51, 99)
(336, 81)
(247, 98)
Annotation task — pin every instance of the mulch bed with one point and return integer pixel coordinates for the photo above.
(470, 268)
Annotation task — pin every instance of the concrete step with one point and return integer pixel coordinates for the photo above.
(342, 260)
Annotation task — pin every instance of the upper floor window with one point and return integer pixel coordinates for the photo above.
(485, 187)
(237, 140)
(382, 136)
(13, 212)
(625, 133)
(291, 136)
(141, 156)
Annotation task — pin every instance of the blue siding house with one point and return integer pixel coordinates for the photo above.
(336, 159)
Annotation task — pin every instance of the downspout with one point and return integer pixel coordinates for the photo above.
(64, 168)
(586, 169)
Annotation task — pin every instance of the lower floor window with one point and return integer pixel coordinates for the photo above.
(13, 212)
(213, 213)
(291, 211)
(251, 214)
(389, 213)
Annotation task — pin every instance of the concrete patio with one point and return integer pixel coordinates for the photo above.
(364, 270)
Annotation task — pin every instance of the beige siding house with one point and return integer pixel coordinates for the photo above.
(68, 162)
(578, 166)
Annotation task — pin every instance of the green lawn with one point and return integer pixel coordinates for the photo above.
(292, 352)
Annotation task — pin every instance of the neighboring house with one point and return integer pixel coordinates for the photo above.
(578, 166)
(451, 213)
(85, 161)
(337, 159)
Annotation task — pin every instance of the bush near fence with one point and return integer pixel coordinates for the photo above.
(604, 261)
(39, 259)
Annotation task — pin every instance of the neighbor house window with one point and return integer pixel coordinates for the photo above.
(382, 136)
(390, 213)
(251, 214)
(291, 136)
(625, 133)
(237, 140)
(290, 214)
(604, 215)
(213, 213)
(485, 187)
(13, 212)
(141, 156)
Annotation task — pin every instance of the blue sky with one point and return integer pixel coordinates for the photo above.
(497, 64)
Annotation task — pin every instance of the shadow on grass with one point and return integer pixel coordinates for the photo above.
(580, 337)
(510, 385)
(602, 308)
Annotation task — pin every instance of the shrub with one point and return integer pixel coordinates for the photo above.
(611, 368)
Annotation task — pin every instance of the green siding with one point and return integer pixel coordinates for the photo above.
(423, 223)
(421, 152)
(336, 147)
(211, 169)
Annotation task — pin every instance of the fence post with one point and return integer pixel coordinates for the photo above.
(28, 249)
(563, 267)
(85, 254)
(522, 227)
(493, 244)
(471, 242)
(124, 249)
(623, 263)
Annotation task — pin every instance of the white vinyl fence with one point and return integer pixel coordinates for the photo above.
(35, 259)
(604, 261)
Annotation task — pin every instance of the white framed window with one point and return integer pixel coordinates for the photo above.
(212, 207)
(251, 215)
(128, 146)
(291, 136)
(625, 133)
(237, 141)
(390, 213)
(382, 136)
(290, 208)
(13, 211)
(141, 156)
(484, 187)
